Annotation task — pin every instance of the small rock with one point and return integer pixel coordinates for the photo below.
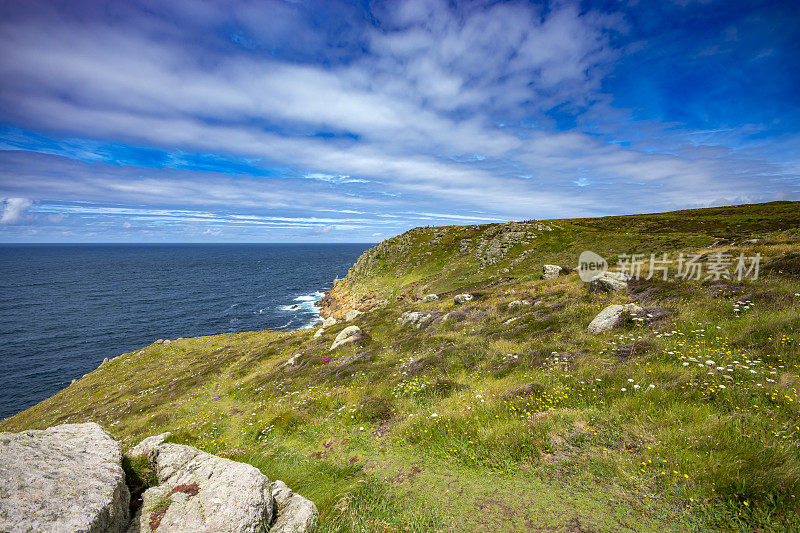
(430, 298)
(415, 318)
(462, 298)
(608, 318)
(518, 303)
(319, 333)
(609, 282)
(348, 335)
(455, 316)
(328, 322)
(159, 341)
(551, 271)
(351, 314)
(167, 341)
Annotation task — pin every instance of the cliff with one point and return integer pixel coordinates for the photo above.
(471, 392)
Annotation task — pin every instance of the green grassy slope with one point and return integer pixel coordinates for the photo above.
(512, 419)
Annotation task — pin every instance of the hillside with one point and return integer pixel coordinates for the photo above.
(498, 417)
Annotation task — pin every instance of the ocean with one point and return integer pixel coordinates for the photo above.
(64, 308)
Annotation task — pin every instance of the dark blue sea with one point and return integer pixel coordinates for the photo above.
(64, 308)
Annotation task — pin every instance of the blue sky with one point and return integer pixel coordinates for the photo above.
(292, 121)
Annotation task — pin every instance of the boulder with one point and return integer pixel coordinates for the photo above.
(462, 298)
(328, 322)
(351, 314)
(349, 334)
(430, 298)
(551, 271)
(455, 316)
(516, 304)
(319, 333)
(609, 317)
(609, 282)
(64, 478)
(295, 514)
(415, 318)
(149, 444)
(198, 491)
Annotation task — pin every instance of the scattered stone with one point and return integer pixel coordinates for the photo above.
(430, 298)
(351, 314)
(551, 271)
(319, 333)
(519, 303)
(415, 318)
(348, 335)
(609, 282)
(328, 322)
(609, 317)
(64, 478)
(167, 341)
(455, 316)
(462, 298)
(159, 341)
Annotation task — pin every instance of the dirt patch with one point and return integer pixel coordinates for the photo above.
(627, 351)
(191, 489)
(402, 477)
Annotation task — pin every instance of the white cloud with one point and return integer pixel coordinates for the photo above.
(14, 210)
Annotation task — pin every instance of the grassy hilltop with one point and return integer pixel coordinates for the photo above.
(498, 417)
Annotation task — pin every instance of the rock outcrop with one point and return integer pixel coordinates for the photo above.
(293, 513)
(198, 491)
(415, 318)
(65, 478)
(551, 271)
(609, 317)
(348, 335)
(609, 282)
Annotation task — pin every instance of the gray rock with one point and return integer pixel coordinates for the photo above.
(65, 478)
(609, 282)
(294, 514)
(149, 444)
(198, 492)
(609, 317)
(551, 271)
(415, 318)
(319, 333)
(328, 322)
(462, 298)
(516, 304)
(351, 314)
(349, 334)
(455, 316)
(430, 298)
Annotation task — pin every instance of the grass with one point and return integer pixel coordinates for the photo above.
(512, 418)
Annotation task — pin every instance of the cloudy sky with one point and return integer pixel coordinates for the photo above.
(299, 121)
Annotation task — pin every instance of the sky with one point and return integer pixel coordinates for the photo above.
(300, 121)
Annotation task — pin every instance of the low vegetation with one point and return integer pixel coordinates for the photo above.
(498, 417)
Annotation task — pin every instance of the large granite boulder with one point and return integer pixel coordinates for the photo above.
(348, 335)
(65, 478)
(200, 492)
(609, 282)
(609, 317)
